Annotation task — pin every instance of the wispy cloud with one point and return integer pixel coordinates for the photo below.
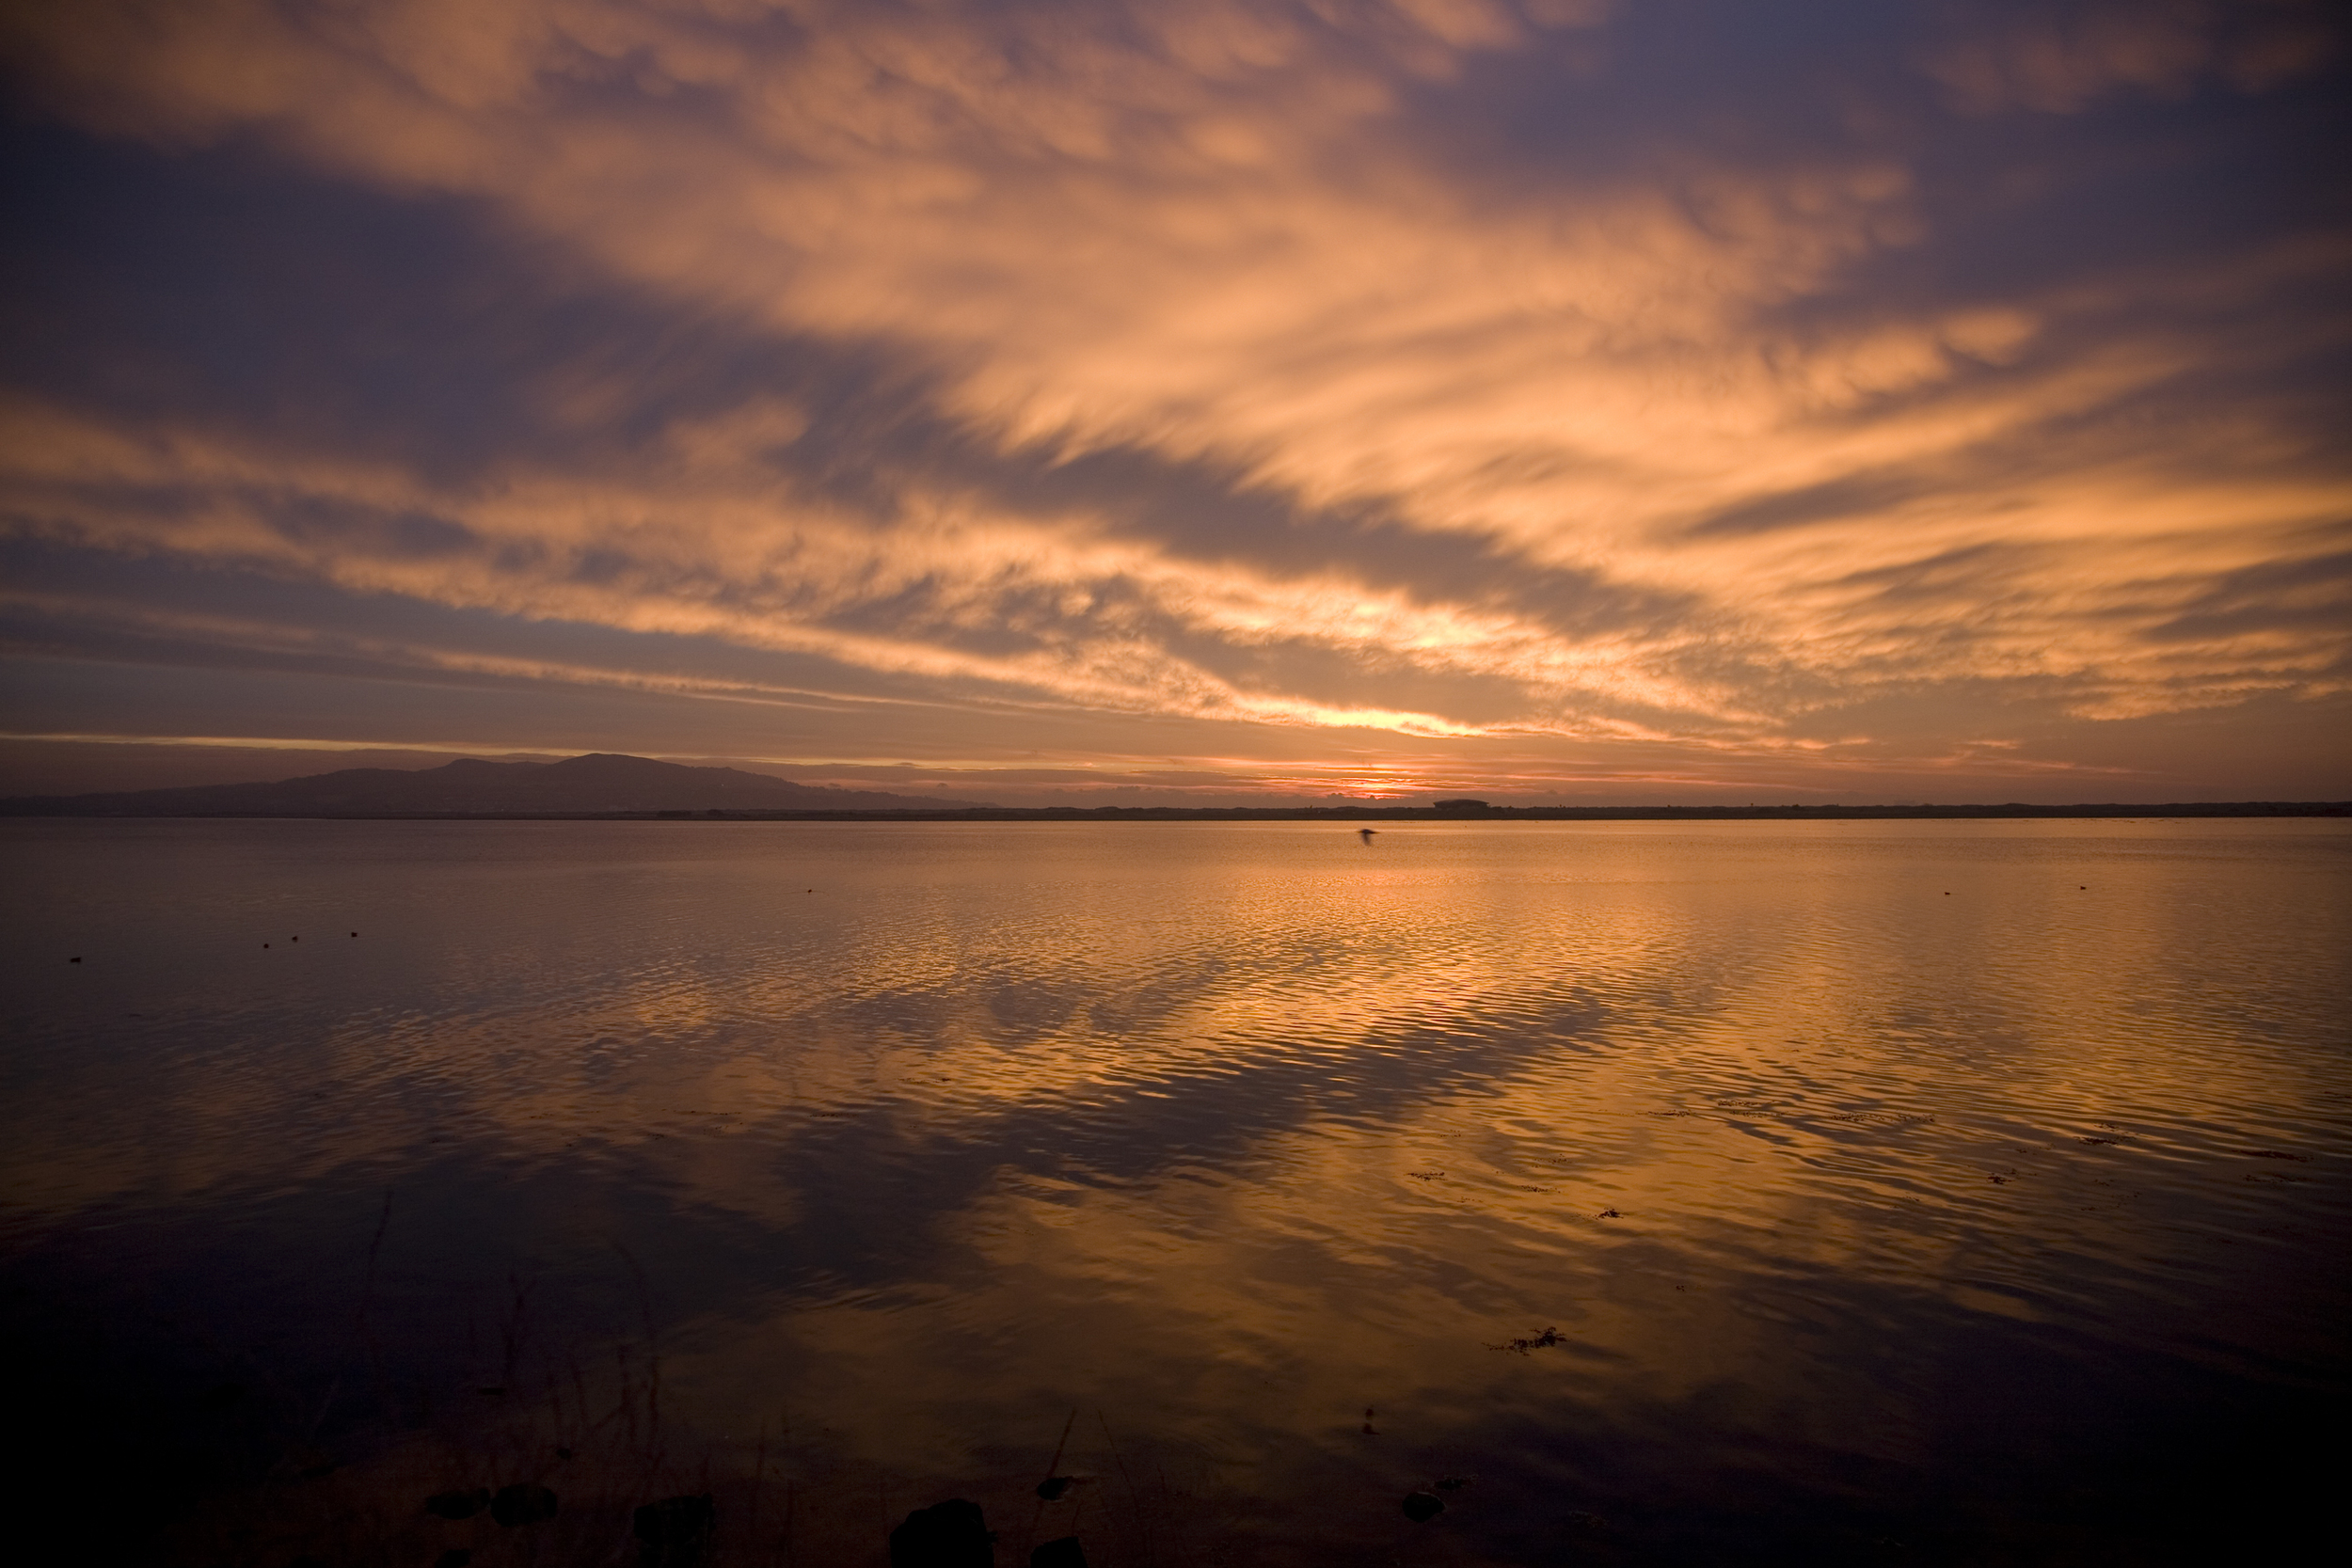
(1555, 374)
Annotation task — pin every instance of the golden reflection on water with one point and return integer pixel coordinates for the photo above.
(932, 1134)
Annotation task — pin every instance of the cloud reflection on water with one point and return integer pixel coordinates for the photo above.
(1237, 1132)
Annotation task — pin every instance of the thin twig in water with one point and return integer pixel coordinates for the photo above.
(785, 1548)
(1143, 1536)
(653, 1365)
(361, 1334)
(360, 1339)
(1167, 1511)
(759, 1476)
(513, 1332)
(1052, 1468)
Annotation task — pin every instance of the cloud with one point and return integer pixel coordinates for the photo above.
(1452, 370)
(2065, 58)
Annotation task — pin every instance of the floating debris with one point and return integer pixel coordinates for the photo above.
(1609, 1214)
(2095, 1140)
(1579, 1520)
(1453, 1483)
(523, 1503)
(1054, 1488)
(458, 1505)
(2278, 1154)
(1368, 1427)
(1543, 1340)
(1421, 1507)
(1416, 1175)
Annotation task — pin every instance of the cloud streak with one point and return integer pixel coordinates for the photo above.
(1540, 376)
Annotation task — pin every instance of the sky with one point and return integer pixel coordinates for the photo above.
(1555, 400)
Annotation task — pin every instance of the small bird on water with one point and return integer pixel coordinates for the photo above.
(1365, 833)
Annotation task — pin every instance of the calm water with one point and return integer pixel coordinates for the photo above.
(1910, 1191)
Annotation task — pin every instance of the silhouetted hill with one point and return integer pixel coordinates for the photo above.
(599, 781)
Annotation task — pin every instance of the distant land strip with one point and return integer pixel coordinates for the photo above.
(2009, 811)
(604, 786)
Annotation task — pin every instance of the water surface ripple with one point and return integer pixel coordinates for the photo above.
(1968, 1191)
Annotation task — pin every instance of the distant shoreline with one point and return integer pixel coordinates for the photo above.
(1262, 814)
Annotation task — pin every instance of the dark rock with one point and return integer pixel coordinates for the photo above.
(458, 1505)
(1064, 1553)
(1421, 1507)
(953, 1534)
(523, 1503)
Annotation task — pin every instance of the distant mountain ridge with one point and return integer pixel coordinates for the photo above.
(598, 782)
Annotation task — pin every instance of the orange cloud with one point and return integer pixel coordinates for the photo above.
(1207, 236)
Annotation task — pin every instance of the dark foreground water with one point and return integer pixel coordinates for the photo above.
(1952, 1192)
